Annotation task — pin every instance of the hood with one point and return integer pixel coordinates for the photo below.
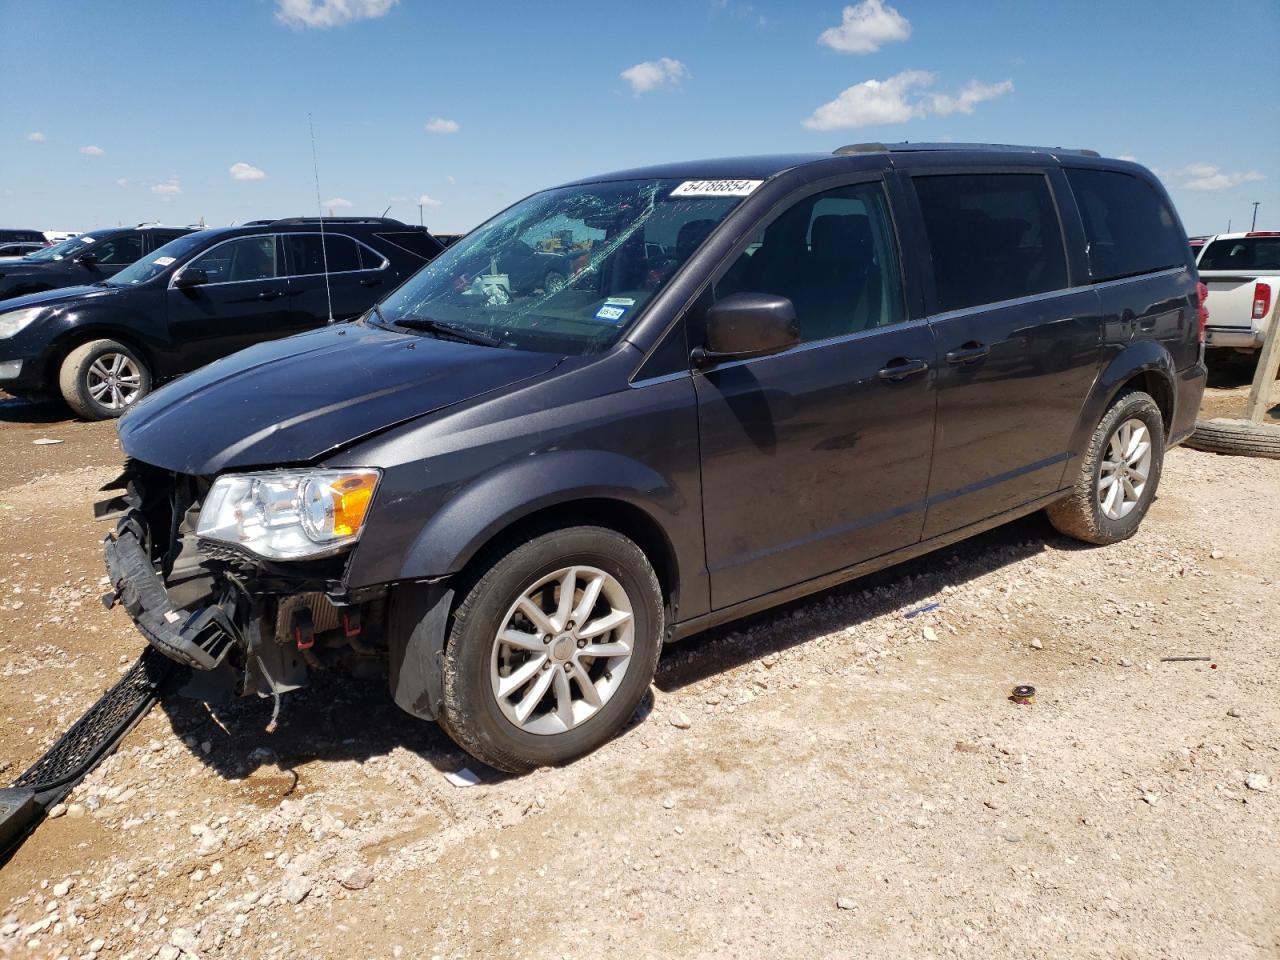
(293, 401)
(54, 298)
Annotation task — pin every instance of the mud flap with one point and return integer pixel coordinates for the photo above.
(419, 622)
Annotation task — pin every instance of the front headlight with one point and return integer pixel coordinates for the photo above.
(17, 320)
(288, 515)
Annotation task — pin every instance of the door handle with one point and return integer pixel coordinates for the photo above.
(370, 281)
(900, 368)
(268, 294)
(970, 352)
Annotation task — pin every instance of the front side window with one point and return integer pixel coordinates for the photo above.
(311, 253)
(567, 270)
(992, 237)
(833, 255)
(1129, 228)
(118, 250)
(246, 258)
(1243, 254)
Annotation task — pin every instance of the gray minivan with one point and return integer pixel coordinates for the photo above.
(758, 377)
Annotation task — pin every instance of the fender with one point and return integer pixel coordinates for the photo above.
(1137, 357)
(517, 489)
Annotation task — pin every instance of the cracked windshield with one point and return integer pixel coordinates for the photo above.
(565, 271)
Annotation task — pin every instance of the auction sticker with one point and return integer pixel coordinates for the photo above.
(611, 312)
(716, 188)
(163, 261)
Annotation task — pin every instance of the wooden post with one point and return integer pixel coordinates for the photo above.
(1268, 365)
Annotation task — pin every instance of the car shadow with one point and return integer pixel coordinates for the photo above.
(340, 719)
(20, 410)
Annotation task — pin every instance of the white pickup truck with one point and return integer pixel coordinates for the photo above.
(1242, 273)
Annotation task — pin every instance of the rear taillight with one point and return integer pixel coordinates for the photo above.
(1261, 300)
(1202, 311)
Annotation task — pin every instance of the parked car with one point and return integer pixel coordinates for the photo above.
(834, 363)
(84, 259)
(1242, 274)
(10, 235)
(198, 298)
(20, 248)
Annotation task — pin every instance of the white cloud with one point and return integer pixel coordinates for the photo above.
(323, 14)
(92, 151)
(246, 171)
(900, 98)
(1208, 176)
(652, 74)
(427, 201)
(122, 182)
(35, 136)
(441, 125)
(170, 188)
(337, 203)
(973, 93)
(1128, 156)
(864, 28)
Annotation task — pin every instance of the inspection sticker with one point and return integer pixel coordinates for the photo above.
(163, 261)
(612, 312)
(715, 188)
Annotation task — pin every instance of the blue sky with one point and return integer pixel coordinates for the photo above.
(178, 110)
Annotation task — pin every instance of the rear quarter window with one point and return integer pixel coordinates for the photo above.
(413, 241)
(1128, 226)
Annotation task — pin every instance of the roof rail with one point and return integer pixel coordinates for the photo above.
(906, 147)
(386, 221)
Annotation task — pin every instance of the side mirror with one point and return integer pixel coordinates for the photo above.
(191, 277)
(87, 259)
(745, 325)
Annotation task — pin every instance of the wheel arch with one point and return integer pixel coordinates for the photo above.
(79, 336)
(1144, 365)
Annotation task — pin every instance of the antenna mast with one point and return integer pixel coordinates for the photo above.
(324, 250)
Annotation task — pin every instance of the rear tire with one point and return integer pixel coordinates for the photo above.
(102, 378)
(544, 698)
(1115, 485)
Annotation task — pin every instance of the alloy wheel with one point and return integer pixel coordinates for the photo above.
(114, 380)
(562, 649)
(1122, 476)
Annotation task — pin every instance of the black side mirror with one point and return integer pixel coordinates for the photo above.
(744, 325)
(87, 259)
(191, 277)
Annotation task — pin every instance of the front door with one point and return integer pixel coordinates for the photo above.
(818, 458)
(1018, 345)
(242, 301)
(110, 256)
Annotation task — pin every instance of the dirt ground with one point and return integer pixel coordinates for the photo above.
(837, 778)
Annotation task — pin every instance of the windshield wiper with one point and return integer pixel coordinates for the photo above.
(440, 328)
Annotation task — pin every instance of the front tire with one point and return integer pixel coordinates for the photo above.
(552, 649)
(1118, 476)
(101, 379)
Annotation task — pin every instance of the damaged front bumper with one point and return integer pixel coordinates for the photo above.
(199, 639)
(248, 625)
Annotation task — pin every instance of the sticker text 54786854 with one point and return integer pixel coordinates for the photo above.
(716, 188)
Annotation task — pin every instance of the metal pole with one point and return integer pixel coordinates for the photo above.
(1255, 216)
(420, 223)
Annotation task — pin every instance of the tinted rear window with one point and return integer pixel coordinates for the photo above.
(414, 241)
(993, 237)
(1243, 254)
(311, 253)
(1129, 228)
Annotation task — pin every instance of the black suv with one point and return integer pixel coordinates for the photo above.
(763, 377)
(198, 298)
(84, 259)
